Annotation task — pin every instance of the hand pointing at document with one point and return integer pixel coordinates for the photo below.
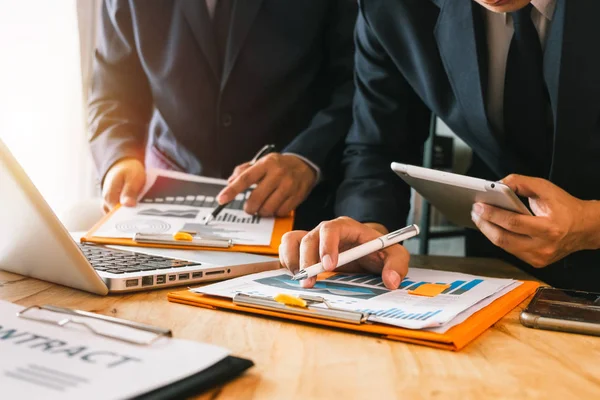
(301, 249)
(282, 181)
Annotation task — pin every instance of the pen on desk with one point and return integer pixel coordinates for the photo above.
(269, 148)
(364, 249)
(158, 238)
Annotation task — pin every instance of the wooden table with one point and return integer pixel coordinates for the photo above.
(299, 361)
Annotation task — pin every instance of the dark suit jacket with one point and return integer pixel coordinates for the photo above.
(286, 79)
(420, 55)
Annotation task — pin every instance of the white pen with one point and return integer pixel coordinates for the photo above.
(191, 241)
(364, 249)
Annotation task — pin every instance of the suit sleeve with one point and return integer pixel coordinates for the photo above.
(390, 124)
(325, 134)
(120, 100)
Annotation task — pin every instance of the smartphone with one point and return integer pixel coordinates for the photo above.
(454, 195)
(563, 310)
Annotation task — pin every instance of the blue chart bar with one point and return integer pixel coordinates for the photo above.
(416, 285)
(467, 286)
(453, 286)
(396, 313)
(406, 283)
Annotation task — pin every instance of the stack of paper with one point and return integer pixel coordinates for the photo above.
(449, 298)
(173, 201)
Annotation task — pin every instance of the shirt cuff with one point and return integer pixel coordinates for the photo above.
(310, 164)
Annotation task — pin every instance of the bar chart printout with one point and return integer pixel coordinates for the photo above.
(457, 287)
(182, 192)
(174, 201)
(366, 293)
(396, 313)
(228, 217)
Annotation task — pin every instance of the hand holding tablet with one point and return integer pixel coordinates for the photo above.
(454, 194)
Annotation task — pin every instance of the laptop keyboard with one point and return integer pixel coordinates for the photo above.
(121, 262)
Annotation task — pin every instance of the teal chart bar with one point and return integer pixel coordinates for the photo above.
(467, 286)
(396, 313)
(453, 286)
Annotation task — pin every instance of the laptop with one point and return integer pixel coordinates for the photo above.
(34, 243)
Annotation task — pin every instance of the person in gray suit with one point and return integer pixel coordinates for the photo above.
(518, 81)
(200, 85)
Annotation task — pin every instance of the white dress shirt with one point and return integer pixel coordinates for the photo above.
(499, 28)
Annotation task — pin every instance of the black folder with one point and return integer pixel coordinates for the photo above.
(222, 372)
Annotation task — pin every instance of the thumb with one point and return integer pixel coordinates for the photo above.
(131, 189)
(395, 266)
(526, 186)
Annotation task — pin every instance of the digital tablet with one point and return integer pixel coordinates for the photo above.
(454, 195)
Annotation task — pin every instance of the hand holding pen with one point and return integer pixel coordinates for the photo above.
(282, 182)
(353, 246)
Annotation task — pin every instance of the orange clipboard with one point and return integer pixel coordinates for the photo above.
(454, 339)
(282, 226)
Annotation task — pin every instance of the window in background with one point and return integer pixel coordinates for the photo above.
(41, 98)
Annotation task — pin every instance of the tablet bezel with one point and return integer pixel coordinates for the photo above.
(454, 194)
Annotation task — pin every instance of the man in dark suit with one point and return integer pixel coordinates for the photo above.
(515, 79)
(200, 85)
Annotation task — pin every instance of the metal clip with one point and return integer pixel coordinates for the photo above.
(313, 309)
(158, 332)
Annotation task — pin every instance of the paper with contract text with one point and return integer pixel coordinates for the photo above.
(43, 361)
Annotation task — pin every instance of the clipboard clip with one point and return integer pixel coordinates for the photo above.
(315, 307)
(69, 314)
(182, 239)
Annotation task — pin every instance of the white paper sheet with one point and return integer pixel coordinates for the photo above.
(366, 292)
(41, 361)
(173, 201)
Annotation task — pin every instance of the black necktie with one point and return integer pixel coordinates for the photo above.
(526, 125)
(221, 22)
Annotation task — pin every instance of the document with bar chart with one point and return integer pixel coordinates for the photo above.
(174, 201)
(366, 293)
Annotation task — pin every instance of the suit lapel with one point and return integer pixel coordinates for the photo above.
(196, 14)
(244, 13)
(461, 39)
(457, 41)
(571, 68)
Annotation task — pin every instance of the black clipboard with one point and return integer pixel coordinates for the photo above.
(222, 372)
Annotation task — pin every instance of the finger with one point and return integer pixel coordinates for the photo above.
(291, 203)
(514, 222)
(526, 186)
(248, 178)
(329, 244)
(514, 243)
(131, 189)
(289, 250)
(395, 266)
(283, 190)
(309, 249)
(265, 188)
(112, 189)
(344, 232)
(287, 207)
(309, 254)
(238, 171)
